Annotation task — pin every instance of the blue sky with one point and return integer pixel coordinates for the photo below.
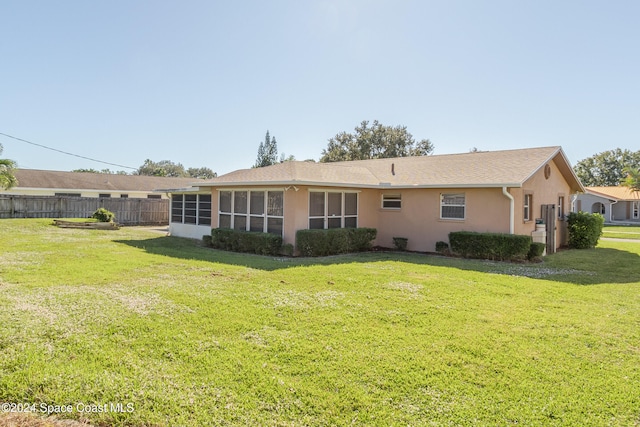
(200, 82)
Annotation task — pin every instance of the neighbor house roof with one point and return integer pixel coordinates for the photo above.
(510, 168)
(615, 193)
(45, 179)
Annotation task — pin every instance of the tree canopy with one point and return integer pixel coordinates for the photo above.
(607, 169)
(201, 173)
(267, 152)
(7, 178)
(374, 142)
(171, 169)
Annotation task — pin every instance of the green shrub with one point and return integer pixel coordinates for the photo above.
(104, 215)
(494, 246)
(334, 241)
(442, 247)
(286, 249)
(535, 251)
(400, 243)
(207, 240)
(246, 241)
(361, 238)
(584, 229)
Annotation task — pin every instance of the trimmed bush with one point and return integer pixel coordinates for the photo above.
(442, 247)
(104, 215)
(494, 246)
(287, 249)
(246, 241)
(334, 241)
(535, 251)
(584, 229)
(400, 243)
(207, 240)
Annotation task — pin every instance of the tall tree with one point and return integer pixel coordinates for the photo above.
(7, 178)
(161, 168)
(607, 168)
(201, 173)
(632, 180)
(267, 152)
(375, 142)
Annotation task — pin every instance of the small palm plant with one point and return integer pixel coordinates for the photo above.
(633, 178)
(7, 178)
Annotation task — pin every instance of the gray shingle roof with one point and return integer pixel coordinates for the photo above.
(480, 169)
(35, 178)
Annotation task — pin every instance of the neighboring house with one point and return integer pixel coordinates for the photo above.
(33, 182)
(420, 198)
(615, 203)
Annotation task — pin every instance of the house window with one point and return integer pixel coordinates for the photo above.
(104, 195)
(124, 196)
(68, 194)
(635, 210)
(191, 209)
(333, 209)
(154, 196)
(252, 210)
(528, 203)
(560, 207)
(452, 206)
(391, 201)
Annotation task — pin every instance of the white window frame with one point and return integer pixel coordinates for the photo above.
(635, 210)
(396, 197)
(325, 217)
(561, 211)
(444, 196)
(527, 205)
(248, 215)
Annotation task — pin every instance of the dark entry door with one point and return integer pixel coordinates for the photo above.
(549, 216)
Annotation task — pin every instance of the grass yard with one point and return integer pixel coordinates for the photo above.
(133, 328)
(621, 232)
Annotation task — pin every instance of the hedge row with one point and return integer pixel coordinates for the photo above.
(494, 246)
(246, 241)
(334, 241)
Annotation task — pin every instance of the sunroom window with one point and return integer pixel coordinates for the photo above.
(191, 209)
(252, 210)
(333, 209)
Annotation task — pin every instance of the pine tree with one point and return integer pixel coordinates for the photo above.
(267, 152)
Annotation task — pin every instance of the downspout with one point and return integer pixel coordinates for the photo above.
(613, 202)
(512, 204)
(574, 197)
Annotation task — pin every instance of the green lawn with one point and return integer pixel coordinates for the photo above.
(189, 336)
(621, 232)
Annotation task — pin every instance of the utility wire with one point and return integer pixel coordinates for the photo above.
(64, 152)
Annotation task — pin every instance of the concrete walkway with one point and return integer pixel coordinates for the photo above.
(613, 239)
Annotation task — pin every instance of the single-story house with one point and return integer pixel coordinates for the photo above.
(615, 203)
(35, 182)
(420, 198)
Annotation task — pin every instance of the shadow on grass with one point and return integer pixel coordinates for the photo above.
(581, 267)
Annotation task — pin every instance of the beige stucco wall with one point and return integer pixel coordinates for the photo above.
(487, 210)
(545, 191)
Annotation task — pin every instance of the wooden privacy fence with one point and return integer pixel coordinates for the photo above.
(128, 211)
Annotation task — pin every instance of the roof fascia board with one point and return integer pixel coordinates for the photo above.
(350, 185)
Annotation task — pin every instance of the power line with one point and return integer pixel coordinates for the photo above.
(67, 153)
